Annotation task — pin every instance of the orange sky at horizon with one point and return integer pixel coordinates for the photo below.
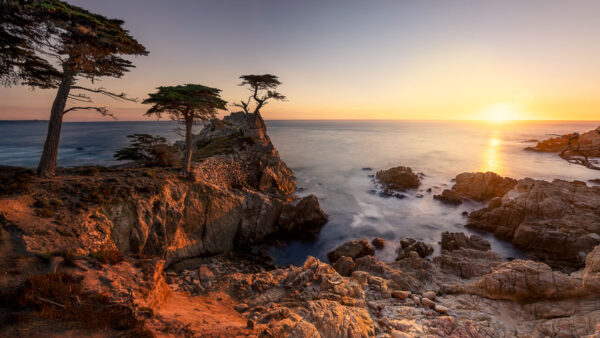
(494, 60)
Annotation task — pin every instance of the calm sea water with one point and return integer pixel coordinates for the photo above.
(329, 157)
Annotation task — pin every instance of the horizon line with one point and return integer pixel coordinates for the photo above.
(376, 119)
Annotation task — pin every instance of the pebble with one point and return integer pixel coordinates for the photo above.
(416, 300)
(429, 294)
(427, 302)
(441, 309)
(400, 294)
(240, 307)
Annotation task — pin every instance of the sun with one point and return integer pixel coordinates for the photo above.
(500, 113)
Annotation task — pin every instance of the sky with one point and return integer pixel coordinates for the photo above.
(420, 59)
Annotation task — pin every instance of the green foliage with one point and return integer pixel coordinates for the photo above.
(149, 150)
(258, 84)
(185, 102)
(84, 43)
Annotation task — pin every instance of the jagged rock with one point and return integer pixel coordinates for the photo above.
(378, 243)
(457, 240)
(407, 245)
(305, 217)
(352, 249)
(344, 266)
(449, 197)
(522, 280)
(482, 186)
(556, 222)
(398, 179)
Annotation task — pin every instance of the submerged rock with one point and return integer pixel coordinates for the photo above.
(378, 243)
(398, 179)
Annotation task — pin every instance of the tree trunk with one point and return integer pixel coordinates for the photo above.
(187, 160)
(49, 159)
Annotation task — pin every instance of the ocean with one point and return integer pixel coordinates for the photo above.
(333, 160)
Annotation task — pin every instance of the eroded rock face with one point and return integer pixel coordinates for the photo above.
(398, 179)
(524, 280)
(482, 186)
(556, 222)
(352, 249)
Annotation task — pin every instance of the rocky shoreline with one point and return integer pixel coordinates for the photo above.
(156, 254)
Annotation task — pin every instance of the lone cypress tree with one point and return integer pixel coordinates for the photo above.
(186, 104)
(262, 88)
(84, 45)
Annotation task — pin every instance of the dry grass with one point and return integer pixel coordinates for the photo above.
(59, 296)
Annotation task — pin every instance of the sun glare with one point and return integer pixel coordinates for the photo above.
(500, 113)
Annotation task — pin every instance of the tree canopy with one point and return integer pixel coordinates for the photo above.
(189, 101)
(88, 44)
(186, 103)
(262, 88)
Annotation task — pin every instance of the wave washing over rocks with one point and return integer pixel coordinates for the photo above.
(152, 254)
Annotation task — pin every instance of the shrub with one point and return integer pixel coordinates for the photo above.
(15, 180)
(149, 150)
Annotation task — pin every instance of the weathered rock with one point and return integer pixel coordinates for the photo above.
(407, 245)
(467, 263)
(522, 280)
(449, 197)
(398, 179)
(353, 249)
(378, 243)
(427, 302)
(482, 186)
(556, 222)
(344, 266)
(441, 309)
(457, 240)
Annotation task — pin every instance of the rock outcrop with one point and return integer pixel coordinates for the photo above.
(408, 245)
(398, 179)
(588, 140)
(555, 222)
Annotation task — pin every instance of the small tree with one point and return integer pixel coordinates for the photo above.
(149, 150)
(186, 104)
(37, 34)
(262, 88)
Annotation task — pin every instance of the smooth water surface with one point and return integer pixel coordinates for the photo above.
(329, 160)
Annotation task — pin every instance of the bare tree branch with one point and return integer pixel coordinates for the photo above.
(120, 97)
(102, 110)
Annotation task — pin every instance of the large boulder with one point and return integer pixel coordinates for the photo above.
(304, 217)
(557, 222)
(449, 197)
(482, 186)
(398, 179)
(352, 249)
